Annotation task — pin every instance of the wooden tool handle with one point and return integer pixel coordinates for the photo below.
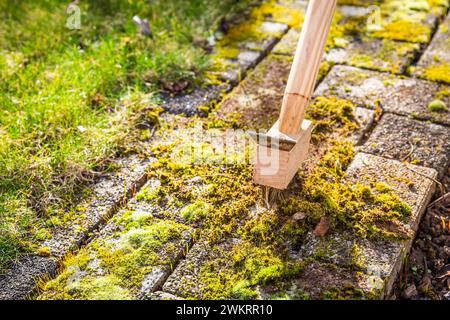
(305, 67)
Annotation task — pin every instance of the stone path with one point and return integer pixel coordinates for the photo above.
(161, 229)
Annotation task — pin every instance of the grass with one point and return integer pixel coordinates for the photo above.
(70, 98)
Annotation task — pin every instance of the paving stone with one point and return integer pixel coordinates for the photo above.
(435, 62)
(232, 70)
(185, 280)
(402, 20)
(376, 54)
(410, 140)
(198, 101)
(324, 281)
(20, 280)
(107, 194)
(365, 119)
(361, 51)
(415, 186)
(399, 95)
(257, 100)
(161, 295)
(288, 44)
(164, 208)
(274, 27)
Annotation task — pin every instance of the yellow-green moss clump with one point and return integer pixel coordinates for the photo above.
(407, 20)
(404, 31)
(440, 72)
(226, 195)
(438, 106)
(331, 113)
(271, 10)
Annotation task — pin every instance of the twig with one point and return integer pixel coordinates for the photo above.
(413, 148)
(445, 196)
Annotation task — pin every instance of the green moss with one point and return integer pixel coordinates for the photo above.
(386, 57)
(103, 288)
(124, 259)
(273, 11)
(405, 31)
(228, 191)
(239, 271)
(440, 72)
(242, 291)
(151, 194)
(438, 106)
(227, 53)
(361, 208)
(382, 187)
(44, 252)
(356, 256)
(330, 113)
(349, 293)
(443, 94)
(195, 211)
(138, 251)
(43, 234)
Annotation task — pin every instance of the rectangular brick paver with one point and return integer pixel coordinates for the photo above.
(410, 140)
(399, 95)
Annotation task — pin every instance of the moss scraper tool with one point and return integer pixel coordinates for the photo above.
(281, 150)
